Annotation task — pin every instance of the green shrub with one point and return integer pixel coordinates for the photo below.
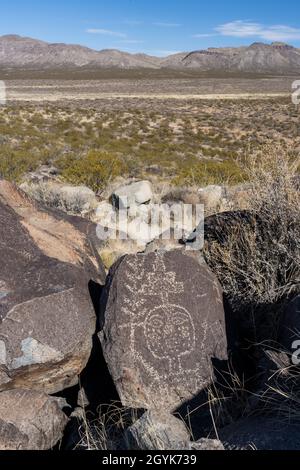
(95, 169)
(15, 163)
(203, 173)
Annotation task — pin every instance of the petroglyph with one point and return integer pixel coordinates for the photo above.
(169, 327)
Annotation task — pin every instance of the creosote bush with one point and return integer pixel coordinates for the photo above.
(189, 142)
(15, 163)
(211, 172)
(94, 170)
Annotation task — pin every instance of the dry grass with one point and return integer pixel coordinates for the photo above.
(278, 396)
(258, 265)
(105, 431)
(108, 430)
(51, 196)
(260, 262)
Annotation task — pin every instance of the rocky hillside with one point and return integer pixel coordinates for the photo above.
(179, 346)
(18, 53)
(259, 57)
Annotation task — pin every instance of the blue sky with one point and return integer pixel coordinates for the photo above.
(157, 27)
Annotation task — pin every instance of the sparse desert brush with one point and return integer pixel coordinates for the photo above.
(259, 262)
(281, 396)
(208, 141)
(96, 169)
(210, 172)
(76, 201)
(278, 396)
(15, 163)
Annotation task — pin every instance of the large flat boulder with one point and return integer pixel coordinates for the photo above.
(58, 235)
(163, 327)
(46, 314)
(30, 420)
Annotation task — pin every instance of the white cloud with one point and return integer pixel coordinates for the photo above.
(167, 25)
(106, 32)
(205, 35)
(247, 29)
(131, 41)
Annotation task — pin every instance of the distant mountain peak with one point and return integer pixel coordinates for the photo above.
(258, 44)
(26, 53)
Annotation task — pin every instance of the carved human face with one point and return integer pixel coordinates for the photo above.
(169, 332)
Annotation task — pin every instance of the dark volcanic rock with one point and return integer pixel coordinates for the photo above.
(162, 329)
(289, 328)
(46, 315)
(157, 431)
(261, 433)
(219, 227)
(30, 420)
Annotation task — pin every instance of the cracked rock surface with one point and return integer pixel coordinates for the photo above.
(47, 319)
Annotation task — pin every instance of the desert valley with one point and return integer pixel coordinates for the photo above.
(144, 341)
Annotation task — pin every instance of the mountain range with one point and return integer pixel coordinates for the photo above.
(24, 53)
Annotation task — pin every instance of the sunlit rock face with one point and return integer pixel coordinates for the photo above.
(163, 327)
(47, 319)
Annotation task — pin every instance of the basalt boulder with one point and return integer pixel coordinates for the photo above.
(47, 319)
(30, 420)
(157, 431)
(162, 328)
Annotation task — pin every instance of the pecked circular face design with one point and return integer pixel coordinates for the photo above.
(169, 332)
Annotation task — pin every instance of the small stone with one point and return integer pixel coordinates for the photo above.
(157, 431)
(207, 444)
(135, 193)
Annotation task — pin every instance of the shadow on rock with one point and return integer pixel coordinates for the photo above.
(204, 413)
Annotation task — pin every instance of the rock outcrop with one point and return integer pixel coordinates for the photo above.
(47, 319)
(30, 420)
(207, 444)
(163, 327)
